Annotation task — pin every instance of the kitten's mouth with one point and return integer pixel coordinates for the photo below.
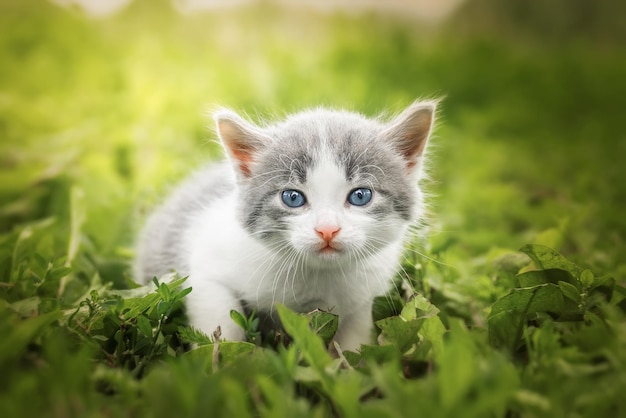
(328, 249)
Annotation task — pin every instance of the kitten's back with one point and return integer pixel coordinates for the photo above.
(161, 248)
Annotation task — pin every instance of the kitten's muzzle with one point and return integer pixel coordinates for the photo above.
(327, 233)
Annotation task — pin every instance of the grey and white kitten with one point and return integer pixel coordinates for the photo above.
(311, 212)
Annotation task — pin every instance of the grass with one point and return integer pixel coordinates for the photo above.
(99, 118)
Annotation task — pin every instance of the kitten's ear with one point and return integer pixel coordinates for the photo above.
(410, 131)
(241, 139)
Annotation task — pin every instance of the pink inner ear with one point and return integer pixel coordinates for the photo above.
(415, 135)
(236, 138)
(244, 156)
(410, 132)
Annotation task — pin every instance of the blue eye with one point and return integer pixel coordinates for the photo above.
(293, 198)
(360, 197)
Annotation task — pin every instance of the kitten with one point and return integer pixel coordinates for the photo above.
(311, 212)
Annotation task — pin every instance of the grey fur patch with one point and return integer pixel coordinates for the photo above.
(160, 245)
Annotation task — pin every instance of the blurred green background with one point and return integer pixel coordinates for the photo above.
(101, 114)
(113, 110)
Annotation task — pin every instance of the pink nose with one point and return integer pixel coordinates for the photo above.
(327, 232)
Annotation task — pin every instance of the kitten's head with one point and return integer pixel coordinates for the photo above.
(329, 184)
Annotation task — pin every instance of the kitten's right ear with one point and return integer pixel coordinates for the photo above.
(241, 139)
(410, 131)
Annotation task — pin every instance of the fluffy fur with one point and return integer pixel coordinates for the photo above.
(242, 246)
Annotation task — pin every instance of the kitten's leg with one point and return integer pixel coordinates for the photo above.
(209, 305)
(354, 328)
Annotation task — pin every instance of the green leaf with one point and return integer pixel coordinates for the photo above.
(533, 399)
(191, 335)
(182, 293)
(77, 219)
(538, 277)
(547, 258)
(310, 345)
(401, 333)
(570, 291)
(144, 325)
(618, 296)
(532, 278)
(17, 337)
(59, 272)
(323, 324)
(380, 353)
(163, 308)
(457, 367)
(417, 329)
(40, 262)
(26, 307)
(142, 345)
(353, 358)
(432, 332)
(587, 278)
(164, 291)
(606, 286)
(543, 298)
(133, 307)
(228, 352)
(508, 315)
(280, 401)
(239, 319)
(418, 307)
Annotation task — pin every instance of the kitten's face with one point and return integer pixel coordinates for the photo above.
(327, 185)
(331, 216)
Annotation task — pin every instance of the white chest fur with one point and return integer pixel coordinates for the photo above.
(223, 253)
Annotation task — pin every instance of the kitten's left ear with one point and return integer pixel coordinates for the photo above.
(241, 139)
(411, 129)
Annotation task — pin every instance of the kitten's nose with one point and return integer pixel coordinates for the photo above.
(327, 232)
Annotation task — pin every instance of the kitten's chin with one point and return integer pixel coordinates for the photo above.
(329, 253)
(325, 256)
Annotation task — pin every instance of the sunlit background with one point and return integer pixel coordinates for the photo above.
(106, 104)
